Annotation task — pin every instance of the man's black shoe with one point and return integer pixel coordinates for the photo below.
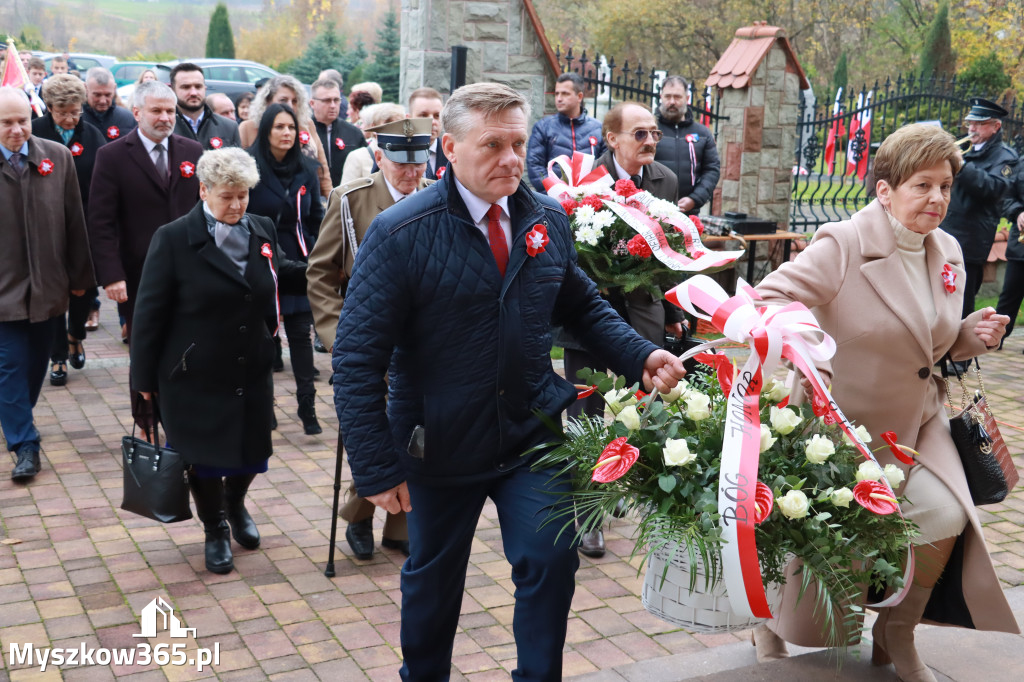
(28, 463)
(360, 538)
(592, 544)
(401, 545)
(318, 345)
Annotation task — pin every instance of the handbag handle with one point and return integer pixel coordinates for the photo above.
(965, 397)
(156, 436)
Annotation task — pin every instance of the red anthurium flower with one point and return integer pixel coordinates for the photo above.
(76, 149)
(304, 137)
(764, 502)
(45, 167)
(187, 168)
(113, 132)
(216, 143)
(948, 279)
(640, 395)
(339, 143)
(638, 246)
(536, 240)
(875, 497)
(625, 188)
(616, 459)
(897, 449)
(584, 391)
(724, 367)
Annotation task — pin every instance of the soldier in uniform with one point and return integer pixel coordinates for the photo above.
(402, 153)
(976, 202)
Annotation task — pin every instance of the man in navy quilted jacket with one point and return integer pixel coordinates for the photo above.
(454, 291)
(567, 131)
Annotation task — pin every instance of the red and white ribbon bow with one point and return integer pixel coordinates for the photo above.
(581, 177)
(268, 253)
(773, 333)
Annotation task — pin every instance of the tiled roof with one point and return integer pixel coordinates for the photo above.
(748, 49)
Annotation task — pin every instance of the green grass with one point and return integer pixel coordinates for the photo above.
(990, 301)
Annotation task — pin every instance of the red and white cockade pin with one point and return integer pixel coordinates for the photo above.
(265, 250)
(216, 143)
(948, 279)
(113, 132)
(593, 141)
(302, 191)
(188, 169)
(440, 172)
(536, 240)
(304, 137)
(76, 149)
(45, 167)
(339, 143)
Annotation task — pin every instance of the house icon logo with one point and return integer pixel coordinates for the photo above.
(159, 610)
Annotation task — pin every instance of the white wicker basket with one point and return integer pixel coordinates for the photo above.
(703, 609)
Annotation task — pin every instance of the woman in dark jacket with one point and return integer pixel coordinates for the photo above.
(288, 194)
(202, 344)
(64, 97)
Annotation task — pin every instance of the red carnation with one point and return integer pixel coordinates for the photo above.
(698, 224)
(625, 188)
(875, 497)
(593, 202)
(569, 206)
(638, 247)
(616, 459)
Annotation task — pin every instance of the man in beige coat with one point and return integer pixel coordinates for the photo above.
(45, 257)
(401, 154)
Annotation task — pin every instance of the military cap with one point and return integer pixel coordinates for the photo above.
(983, 110)
(404, 141)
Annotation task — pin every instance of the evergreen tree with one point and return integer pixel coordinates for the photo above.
(323, 52)
(353, 63)
(937, 58)
(385, 68)
(839, 76)
(986, 76)
(220, 43)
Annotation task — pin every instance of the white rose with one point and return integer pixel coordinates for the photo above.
(698, 406)
(777, 391)
(619, 398)
(629, 417)
(784, 420)
(793, 504)
(842, 497)
(766, 438)
(677, 452)
(677, 392)
(818, 449)
(862, 433)
(894, 475)
(869, 471)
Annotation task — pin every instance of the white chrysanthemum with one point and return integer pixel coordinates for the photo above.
(583, 215)
(588, 234)
(603, 219)
(662, 208)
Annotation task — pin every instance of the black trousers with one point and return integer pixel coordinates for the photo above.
(975, 273)
(1012, 295)
(71, 324)
(297, 326)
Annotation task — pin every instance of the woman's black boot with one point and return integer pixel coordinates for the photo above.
(243, 528)
(307, 413)
(209, 496)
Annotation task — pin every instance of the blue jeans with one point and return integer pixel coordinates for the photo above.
(24, 358)
(442, 524)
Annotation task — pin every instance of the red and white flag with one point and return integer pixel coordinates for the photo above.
(14, 76)
(835, 133)
(861, 120)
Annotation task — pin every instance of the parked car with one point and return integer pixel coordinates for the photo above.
(129, 72)
(82, 61)
(230, 76)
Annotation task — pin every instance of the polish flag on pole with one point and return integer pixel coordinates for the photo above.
(854, 127)
(835, 133)
(14, 75)
(706, 112)
(865, 125)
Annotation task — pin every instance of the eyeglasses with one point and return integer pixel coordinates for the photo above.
(641, 135)
(336, 100)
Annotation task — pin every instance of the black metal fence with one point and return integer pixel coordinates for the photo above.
(834, 150)
(608, 83)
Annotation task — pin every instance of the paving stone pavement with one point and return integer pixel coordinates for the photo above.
(77, 571)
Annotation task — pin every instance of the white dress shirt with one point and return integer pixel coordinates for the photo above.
(478, 212)
(395, 194)
(623, 175)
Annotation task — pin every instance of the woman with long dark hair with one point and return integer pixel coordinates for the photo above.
(287, 194)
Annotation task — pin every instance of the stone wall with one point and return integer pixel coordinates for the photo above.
(503, 43)
(757, 142)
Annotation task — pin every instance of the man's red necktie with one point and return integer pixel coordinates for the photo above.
(496, 237)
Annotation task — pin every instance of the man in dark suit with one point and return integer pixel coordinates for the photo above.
(337, 136)
(140, 182)
(427, 103)
(42, 216)
(196, 119)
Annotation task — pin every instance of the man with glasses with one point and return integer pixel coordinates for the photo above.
(111, 120)
(337, 136)
(975, 204)
(688, 148)
(569, 130)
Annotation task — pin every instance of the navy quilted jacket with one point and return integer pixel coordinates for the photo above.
(468, 351)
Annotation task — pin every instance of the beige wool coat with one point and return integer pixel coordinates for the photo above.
(853, 279)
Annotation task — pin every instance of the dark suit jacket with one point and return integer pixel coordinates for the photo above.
(657, 178)
(88, 139)
(128, 201)
(212, 127)
(202, 339)
(440, 164)
(344, 138)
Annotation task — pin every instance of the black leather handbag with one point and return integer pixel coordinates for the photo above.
(154, 479)
(989, 469)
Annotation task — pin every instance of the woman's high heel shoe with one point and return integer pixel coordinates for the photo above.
(76, 353)
(770, 647)
(893, 637)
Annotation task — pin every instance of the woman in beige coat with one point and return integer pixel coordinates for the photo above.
(875, 284)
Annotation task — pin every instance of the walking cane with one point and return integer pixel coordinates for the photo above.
(329, 570)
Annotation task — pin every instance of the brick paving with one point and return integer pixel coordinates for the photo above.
(76, 570)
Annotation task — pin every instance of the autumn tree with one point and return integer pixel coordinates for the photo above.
(220, 42)
(987, 76)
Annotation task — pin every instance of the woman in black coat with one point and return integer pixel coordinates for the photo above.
(203, 344)
(288, 193)
(64, 97)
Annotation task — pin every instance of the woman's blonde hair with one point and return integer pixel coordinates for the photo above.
(230, 166)
(379, 114)
(912, 148)
(63, 90)
(264, 96)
